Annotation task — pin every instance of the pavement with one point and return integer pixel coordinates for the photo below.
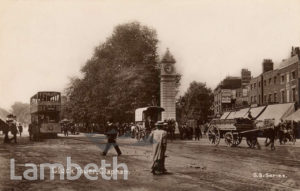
(191, 165)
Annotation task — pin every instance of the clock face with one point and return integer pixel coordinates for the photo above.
(168, 68)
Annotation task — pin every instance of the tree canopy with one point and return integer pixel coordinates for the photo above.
(22, 111)
(196, 103)
(121, 75)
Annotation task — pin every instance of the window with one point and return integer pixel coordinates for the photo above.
(270, 98)
(293, 75)
(251, 87)
(258, 99)
(270, 80)
(282, 96)
(265, 98)
(254, 85)
(275, 80)
(265, 82)
(259, 84)
(282, 79)
(275, 97)
(254, 99)
(294, 94)
(251, 99)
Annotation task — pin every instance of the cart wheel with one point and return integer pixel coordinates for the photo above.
(229, 139)
(214, 135)
(238, 140)
(251, 141)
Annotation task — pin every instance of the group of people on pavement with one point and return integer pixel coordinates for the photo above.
(188, 132)
(14, 128)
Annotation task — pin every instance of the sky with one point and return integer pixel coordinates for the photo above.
(45, 42)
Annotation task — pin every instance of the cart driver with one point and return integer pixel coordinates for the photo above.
(250, 116)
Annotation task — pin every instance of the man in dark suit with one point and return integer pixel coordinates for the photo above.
(111, 133)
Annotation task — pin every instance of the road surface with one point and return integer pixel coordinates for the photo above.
(192, 165)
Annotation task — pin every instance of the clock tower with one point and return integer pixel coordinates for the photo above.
(168, 77)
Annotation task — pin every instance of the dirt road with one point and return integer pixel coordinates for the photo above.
(192, 165)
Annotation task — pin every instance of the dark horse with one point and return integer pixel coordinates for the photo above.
(271, 135)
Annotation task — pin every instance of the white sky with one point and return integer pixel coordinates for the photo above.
(43, 43)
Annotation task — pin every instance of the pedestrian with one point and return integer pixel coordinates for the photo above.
(14, 131)
(111, 133)
(159, 140)
(197, 133)
(65, 127)
(172, 129)
(30, 131)
(5, 130)
(20, 128)
(36, 131)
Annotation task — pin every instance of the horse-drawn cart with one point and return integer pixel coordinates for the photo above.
(234, 130)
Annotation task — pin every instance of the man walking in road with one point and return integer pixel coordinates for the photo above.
(197, 133)
(5, 129)
(111, 133)
(14, 131)
(20, 128)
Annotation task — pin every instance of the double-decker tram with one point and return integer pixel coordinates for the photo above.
(45, 108)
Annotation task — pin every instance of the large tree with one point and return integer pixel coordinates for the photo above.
(22, 111)
(196, 103)
(121, 76)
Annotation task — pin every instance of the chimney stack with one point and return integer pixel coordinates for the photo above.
(267, 65)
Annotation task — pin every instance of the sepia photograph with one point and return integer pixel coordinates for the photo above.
(149, 95)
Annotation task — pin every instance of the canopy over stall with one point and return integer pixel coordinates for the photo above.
(294, 116)
(256, 111)
(277, 112)
(241, 113)
(231, 115)
(225, 115)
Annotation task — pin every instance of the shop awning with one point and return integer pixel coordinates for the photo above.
(231, 115)
(294, 116)
(256, 111)
(241, 113)
(225, 114)
(277, 112)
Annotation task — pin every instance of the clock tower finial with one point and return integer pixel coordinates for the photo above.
(168, 57)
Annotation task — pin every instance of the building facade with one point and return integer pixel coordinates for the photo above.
(280, 85)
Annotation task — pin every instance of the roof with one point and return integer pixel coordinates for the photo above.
(288, 62)
(139, 112)
(168, 57)
(35, 95)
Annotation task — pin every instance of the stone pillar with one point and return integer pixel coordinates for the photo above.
(168, 77)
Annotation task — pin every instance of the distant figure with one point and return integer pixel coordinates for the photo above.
(250, 116)
(20, 128)
(159, 140)
(65, 128)
(5, 130)
(30, 131)
(14, 131)
(197, 133)
(111, 133)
